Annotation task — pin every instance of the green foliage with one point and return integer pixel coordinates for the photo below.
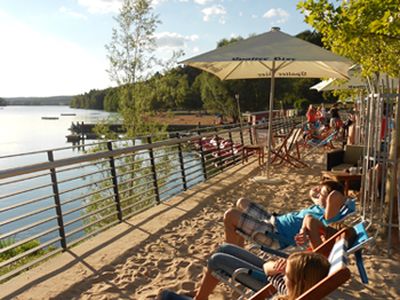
(132, 45)
(366, 31)
(93, 100)
(301, 105)
(19, 250)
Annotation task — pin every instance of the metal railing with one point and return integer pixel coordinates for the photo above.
(57, 202)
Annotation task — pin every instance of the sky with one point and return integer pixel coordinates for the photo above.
(57, 47)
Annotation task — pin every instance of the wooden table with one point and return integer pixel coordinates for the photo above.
(341, 176)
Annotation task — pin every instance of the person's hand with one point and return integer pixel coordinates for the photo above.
(274, 267)
(301, 238)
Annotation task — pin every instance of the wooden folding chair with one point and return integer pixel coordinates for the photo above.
(290, 142)
(336, 248)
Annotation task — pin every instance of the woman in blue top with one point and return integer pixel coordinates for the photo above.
(250, 217)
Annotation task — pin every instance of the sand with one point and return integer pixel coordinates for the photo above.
(137, 264)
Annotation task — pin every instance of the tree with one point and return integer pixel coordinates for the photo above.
(368, 32)
(131, 55)
(3, 102)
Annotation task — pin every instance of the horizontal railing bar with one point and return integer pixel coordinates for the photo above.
(141, 160)
(137, 186)
(88, 215)
(84, 185)
(32, 213)
(29, 265)
(199, 167)
(38, 187)
(26, 253)
(161, 185)
(192, 179)
(160, 178)
(103, 170)
(27, 240)
(166, 155)
(200, 170)
(24, 228)
(93, 233)
(72, 232)
(26, 203)
(171, 188)
(133, 196)
(87, 195)
(139, 202)
(90, 157)
(197, 159)
(25, 178)
(133, 179)
(82, 165)
(136, 170)
(68, 212)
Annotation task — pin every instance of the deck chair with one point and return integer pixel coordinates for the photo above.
(290, 143)
(348, 209)
(269, 290)
(336, 246)
(359, 239)
(326, 142)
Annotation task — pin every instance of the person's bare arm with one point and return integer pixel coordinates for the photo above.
(334, 202)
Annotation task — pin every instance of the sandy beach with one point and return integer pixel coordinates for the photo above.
(145, 260)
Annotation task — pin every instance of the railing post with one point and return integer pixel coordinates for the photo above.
(232, 148)
(203, 160)
(181, 163)
(57, 201)
(115, 183)
(219, 150)
(153, 170)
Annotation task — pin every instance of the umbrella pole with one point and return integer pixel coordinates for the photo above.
(268, 179)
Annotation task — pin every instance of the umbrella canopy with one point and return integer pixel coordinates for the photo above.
(273, 54)
(260, 56)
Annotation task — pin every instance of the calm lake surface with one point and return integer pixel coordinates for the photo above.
(22, 128)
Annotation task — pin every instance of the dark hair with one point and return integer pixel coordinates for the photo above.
(333, 186)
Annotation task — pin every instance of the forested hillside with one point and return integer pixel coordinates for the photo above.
(56, 100)
(186, 88)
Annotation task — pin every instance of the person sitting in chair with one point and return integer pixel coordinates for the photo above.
(249, 217)
(291, 277)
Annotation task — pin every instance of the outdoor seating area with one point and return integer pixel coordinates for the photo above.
(168, 247)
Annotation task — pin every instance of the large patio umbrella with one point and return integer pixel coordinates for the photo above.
(273, 54)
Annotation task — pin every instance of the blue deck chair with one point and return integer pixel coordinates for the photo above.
(360, 240)
(348, 209)
(315, 143)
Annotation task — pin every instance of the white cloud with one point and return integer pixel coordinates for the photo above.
(278, 15)
(37, 64)
(101, 6)
(174, 40)
(195, 50)
(72, 13)
(203, 2)
(215, 10)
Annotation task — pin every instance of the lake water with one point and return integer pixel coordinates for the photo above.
(22, 128)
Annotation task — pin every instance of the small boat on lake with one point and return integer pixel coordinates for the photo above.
(50, 118)
(67, 114)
